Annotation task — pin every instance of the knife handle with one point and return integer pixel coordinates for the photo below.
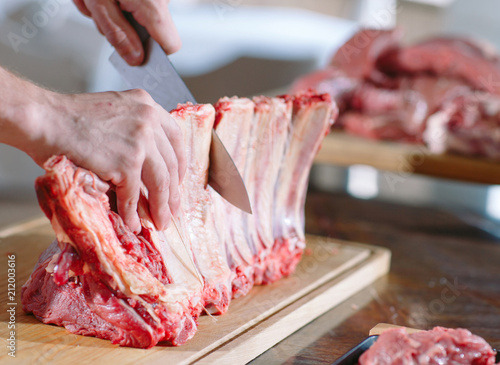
(141, 31)
(381, 327)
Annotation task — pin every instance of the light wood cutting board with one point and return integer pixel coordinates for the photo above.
(330, 272)
(398, 160)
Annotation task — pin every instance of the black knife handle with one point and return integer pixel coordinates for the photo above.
(351, 357)
(141, 31)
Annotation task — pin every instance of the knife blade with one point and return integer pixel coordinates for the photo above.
(159, 78)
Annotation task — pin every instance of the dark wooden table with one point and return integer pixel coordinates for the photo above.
(444, 273)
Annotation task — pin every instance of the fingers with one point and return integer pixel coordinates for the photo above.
(127, 197)
(153, 15)
(139, 145)
(164, 32)
(112, 23)
(176, 139)
(156, 17)
(157, 180)
(80, 4)
(169, 158)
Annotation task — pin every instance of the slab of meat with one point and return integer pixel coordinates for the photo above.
(455, 58)
(304, 141)
(388, 91)
(359, 55)
(234, 124)
(380, 113)
(437, 346)
(467, 125)
(353, 64)
(118, 280)
(271, 127)
(330, 80)
(99, 279)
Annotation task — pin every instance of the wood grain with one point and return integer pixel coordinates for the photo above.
(382, 327)
(344, 149)
(330, 272)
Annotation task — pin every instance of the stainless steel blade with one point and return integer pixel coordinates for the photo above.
(159, 78)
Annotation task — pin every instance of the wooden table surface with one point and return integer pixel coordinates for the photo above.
(444, 272)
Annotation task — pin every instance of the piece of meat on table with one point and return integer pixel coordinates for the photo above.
(455, 58)
(354, 63)
(437, 346)
(441, 92)
(379, 113)
(358, 57)
(100, 279)
(468, 124)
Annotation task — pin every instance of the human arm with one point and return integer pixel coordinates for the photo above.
(123, 137)
(154, 15)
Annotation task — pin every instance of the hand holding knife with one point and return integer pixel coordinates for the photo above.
(158, 77)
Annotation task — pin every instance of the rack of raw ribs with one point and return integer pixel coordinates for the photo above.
(100, 279)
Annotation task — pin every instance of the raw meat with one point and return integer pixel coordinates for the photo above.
(378, 113)
(197, 205)
(446, 57)
(437, 346)
(359, 55)
(330, 80)
(234, 122)
(388, 91)
(99, 279)
(271, 126)
(467, 125)
(353, 64)
(304, 141)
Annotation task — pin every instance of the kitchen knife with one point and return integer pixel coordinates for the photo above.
(159, 78)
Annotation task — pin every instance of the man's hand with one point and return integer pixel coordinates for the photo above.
(122, 137)
(152, 14)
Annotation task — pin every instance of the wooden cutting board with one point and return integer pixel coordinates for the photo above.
(400, 159)
(330, 272)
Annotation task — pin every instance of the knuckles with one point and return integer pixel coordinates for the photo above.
(141, 96)
(147, 114)
(116, 36)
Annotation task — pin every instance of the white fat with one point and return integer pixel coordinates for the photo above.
(52, 263)
(435, 134)
(60, 234)
(491, 106)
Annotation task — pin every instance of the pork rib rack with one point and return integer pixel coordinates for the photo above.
(99, 279)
